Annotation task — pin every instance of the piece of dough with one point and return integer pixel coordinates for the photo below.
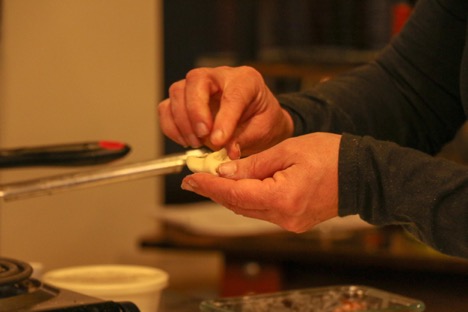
(208, 163)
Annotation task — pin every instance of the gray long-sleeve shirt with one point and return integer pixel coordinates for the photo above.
(396, 112)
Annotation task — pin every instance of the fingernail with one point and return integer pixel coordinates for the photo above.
(201, 129)
(217, 137)
(193, 141)
(238, 151)
(227, 169)
(188, 185)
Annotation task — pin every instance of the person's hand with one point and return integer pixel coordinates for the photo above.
(293, 184)
(224, 107)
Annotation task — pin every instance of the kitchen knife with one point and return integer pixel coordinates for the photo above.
(72, 154)
(105, 175)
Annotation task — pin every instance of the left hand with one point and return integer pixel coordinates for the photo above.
(230, 107)
(294, 184)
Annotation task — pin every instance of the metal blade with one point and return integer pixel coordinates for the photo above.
(106, 175)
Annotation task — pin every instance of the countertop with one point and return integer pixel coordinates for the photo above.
(387, 260)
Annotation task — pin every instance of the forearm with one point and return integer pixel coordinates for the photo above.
(388, 184)
(409, 95)
(372, 101)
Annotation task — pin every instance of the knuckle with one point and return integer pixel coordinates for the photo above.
(253, 75)
(162, 107)
(197, 74)
(235, 96)
(249, 71)
(176, 89)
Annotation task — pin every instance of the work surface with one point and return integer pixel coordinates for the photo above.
(386, 260)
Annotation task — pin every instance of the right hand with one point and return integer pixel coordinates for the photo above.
(224, 107)
(294, 184)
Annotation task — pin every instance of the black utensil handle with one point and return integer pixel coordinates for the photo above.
(72, 154)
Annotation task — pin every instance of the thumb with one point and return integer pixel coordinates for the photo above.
(257, 166)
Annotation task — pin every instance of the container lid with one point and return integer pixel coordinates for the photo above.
(108, 279)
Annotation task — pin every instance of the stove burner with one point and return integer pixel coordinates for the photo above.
(13, 271)
(21, 293)
(14, 278)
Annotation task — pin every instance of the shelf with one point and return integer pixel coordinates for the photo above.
(380, 247)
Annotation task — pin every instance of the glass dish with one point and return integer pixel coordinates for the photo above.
(326, 299)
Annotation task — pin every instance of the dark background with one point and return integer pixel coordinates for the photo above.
(245, 29)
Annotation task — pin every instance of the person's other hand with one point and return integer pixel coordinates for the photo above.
(293, 184)
(224, 107)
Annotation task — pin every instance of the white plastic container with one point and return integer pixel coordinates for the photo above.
(139, 284)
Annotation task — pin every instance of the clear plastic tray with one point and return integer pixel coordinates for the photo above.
(326, 299)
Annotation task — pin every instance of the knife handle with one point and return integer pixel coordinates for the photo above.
(72, 154)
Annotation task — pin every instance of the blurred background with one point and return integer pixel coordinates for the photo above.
(74, 71)
(78, 70)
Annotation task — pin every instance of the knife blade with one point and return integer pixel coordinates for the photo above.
(96, 177)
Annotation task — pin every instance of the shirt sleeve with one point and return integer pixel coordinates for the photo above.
(409, 95)
(396, 112)
(388, 184)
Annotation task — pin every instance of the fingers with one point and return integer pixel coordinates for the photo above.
(191, 107)
(186, 116)
(239, 97)
(167, 124)
(240, 196)
(233, 150)
(257, 166)
(208, 106)
(180, 115)
(260, 199)
(208, 91)
(293, 184)
(234, 91)
(199, 90)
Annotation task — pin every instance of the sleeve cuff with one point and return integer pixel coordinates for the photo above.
(347, 175)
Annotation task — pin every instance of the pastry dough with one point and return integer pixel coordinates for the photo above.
(208, 163)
